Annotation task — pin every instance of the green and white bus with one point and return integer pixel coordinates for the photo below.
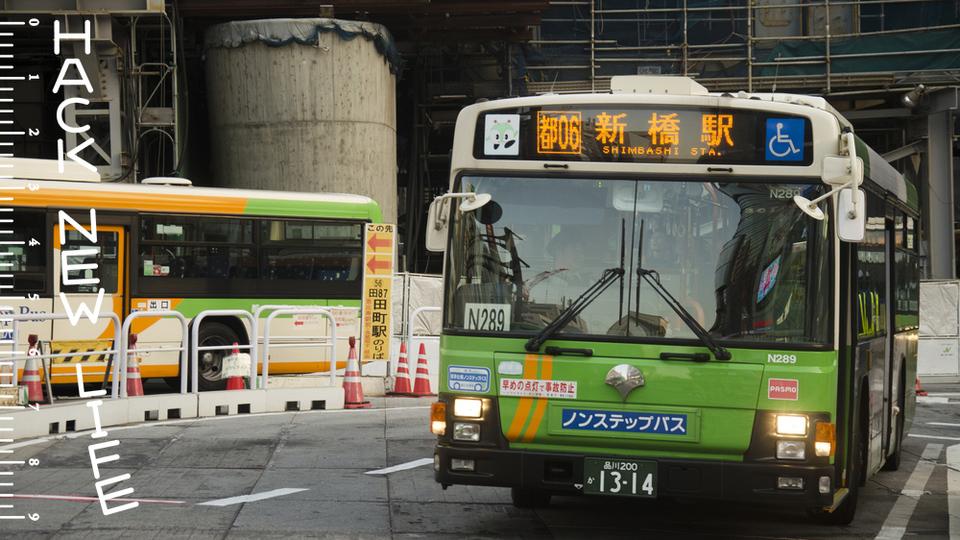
(665, 292)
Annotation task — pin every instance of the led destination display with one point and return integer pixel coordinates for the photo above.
(645, 135)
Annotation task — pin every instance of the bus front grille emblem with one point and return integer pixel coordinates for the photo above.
(624, 378)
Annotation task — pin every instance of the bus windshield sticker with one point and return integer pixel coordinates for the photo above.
(538, 388)
(624, 421)
(783, 389)
(501, 135)
(768, 278)
(509, 367)
(468, 379)
(487, 317)
(784, 139)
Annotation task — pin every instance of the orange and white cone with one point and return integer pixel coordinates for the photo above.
(235, 382)
(919, 389)
(352, 386)
(401, 383)
(421, 386)
(134, 383)
(31, 371)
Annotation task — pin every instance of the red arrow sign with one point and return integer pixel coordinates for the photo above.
(376, 242)
(374, 264)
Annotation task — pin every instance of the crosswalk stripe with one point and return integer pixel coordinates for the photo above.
(896, 523)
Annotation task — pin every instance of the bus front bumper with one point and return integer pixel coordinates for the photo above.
(558, 473)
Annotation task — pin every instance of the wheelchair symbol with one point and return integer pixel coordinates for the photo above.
(784, 144)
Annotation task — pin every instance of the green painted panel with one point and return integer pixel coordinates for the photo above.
(344, 210)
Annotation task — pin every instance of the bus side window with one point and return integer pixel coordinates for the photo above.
(29, 259)
(871, 273)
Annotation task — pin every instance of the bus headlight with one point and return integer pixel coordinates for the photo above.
(467, 408)
(791, 424)
(466, 431)
(791, 450)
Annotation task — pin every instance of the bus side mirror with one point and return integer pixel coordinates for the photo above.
(851, 215)
(438, 217)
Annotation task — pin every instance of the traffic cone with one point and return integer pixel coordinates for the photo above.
(134, 384)
(401, 383)
(352, 387)
(919, 389)
(31, 371)
(421, 386)
(235, 382)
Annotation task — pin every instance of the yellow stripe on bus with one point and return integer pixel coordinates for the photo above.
(546, 374)
(523, 408)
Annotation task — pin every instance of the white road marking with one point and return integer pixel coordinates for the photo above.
(253, 497)
(896, 523)
(947, 424)
(953, 490)
(403, 466)
(76, 434)
(934, 399)
(938, 437)
(82, 498)
(948, 394)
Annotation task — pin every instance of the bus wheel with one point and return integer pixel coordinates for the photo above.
(529, 498)
(210, 363)
(893, 460)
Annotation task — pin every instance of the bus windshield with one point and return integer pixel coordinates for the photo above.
(739, 256)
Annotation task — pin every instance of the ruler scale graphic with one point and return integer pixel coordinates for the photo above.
(12, 253)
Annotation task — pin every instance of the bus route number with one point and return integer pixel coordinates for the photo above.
(488, 317)
(781, 358)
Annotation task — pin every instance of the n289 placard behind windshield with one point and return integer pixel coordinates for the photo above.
(643, 134)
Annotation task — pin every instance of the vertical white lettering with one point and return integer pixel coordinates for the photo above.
(64, 218)
(73, 155)
(75, 317)
(63, 122)
(96, 460)
(74, 267)
(83, 81)
(58, 37)
(104, 498)
(98, 432)
(92, 393)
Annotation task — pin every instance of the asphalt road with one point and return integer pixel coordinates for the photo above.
(310, 468)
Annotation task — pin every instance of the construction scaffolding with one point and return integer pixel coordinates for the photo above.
(815, 46)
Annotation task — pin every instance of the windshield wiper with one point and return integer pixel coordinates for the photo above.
(575, 308)
(653, 278)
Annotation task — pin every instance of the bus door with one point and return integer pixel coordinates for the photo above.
(106, 262)
(889, 312)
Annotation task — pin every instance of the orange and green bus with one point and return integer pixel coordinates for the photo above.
(163, 246)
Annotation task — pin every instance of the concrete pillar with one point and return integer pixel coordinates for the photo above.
(940, 194)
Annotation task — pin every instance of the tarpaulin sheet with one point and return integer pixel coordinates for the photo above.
(281, 32)
(939, 308)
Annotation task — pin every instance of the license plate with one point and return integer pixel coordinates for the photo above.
(624, 477)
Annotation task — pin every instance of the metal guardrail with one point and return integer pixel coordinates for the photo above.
(295, 310)
(125, 335)
(48, 371)
(195, 348)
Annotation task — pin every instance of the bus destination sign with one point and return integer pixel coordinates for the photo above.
(646, 134)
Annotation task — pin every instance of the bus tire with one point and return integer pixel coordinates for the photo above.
(893, 460)
(209, 363)
(529, 498)
(845, 513)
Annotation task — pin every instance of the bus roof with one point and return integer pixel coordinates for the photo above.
(191, 200)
